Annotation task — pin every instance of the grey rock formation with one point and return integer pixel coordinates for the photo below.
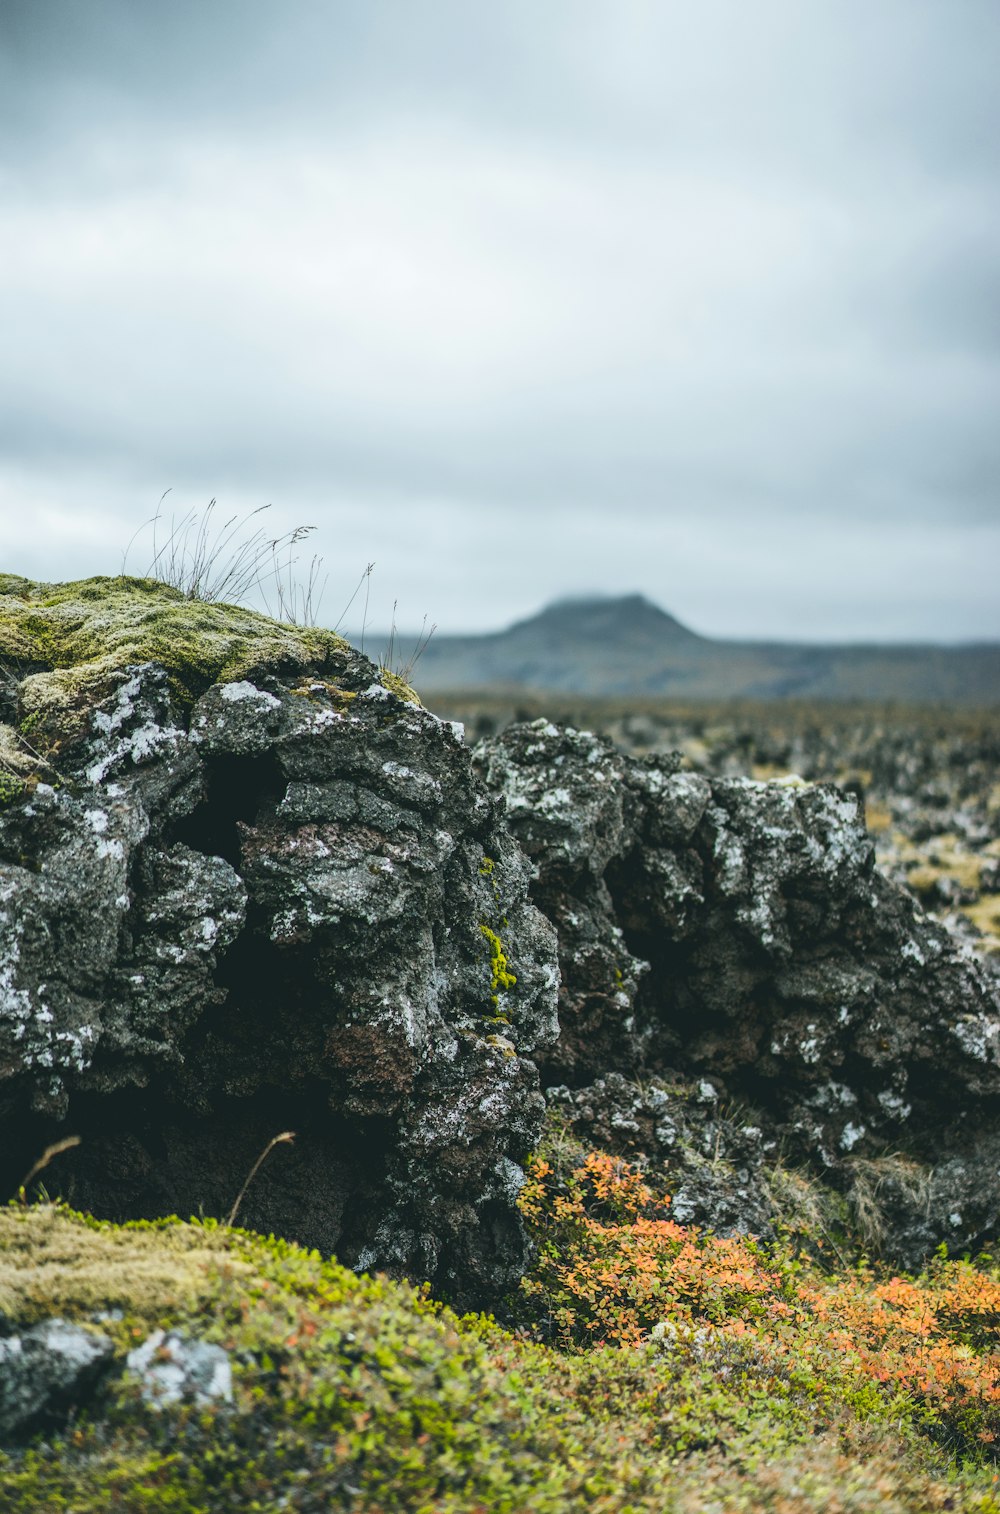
(292, 906)
(708, 1156)
(285, 898)
(46, 1371)
(172, 1367)
(740, 931)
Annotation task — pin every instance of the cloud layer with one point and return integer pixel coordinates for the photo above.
(517, 301)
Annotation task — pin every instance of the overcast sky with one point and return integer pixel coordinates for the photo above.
(518, 299)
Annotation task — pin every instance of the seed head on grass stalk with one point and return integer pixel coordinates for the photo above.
(393, 660)
(228, 561)
(287, 1137)
(50, 1152)
(298, 598)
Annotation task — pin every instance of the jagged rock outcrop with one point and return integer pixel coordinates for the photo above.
(249, 884)
(706, 1153)
(930, 777)
(739, 931)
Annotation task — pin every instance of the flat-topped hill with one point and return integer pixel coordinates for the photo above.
(628, 645)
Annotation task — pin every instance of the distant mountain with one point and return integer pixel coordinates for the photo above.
(631, 646)
(632, 618)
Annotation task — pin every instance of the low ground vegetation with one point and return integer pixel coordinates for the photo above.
(614, 1270)
(650, 1367)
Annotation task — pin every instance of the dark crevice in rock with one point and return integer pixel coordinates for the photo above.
(737, 934)
(190, 965)
(238, 789)
(141, 1158)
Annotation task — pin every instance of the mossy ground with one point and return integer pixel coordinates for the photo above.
(355, 1393)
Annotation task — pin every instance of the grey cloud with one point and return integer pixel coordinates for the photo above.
(802, 84)
(565, 273)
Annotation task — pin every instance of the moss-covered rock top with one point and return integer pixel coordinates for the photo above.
(76, 633)
(358, 1394)
(63, 648)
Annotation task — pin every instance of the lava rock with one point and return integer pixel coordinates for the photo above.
(710, 1159)
(747, 936)
(45, 1372)
(282, 900)
(172, 1367)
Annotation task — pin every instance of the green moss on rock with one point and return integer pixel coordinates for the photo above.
(55, 1263)
(74, 634)
(399, 686)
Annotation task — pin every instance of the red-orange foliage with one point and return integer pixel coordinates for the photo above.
(612, 1264)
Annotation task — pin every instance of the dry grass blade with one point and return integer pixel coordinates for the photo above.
(392, 659)
(366, 575)
(287, 1137)
(390, 650)
(405, 670)
(48, 1155)
(139, 530)
(227, 562)
(298, 601)
(875, 1181)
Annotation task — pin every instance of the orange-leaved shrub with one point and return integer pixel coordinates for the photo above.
(612, 1266)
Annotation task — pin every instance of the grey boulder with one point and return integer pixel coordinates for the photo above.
(46, 1371)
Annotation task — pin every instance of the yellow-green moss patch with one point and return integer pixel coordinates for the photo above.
(985, 916)
(54, 1263)
(501, 978)
(96, 625)
(399, 686)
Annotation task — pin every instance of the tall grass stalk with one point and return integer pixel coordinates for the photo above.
(227, 561)
(392, 658)
(287, 1137)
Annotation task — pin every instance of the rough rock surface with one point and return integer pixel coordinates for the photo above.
(709, 1157)
(739, 931)
(277, 901)
(249, 885)
(45, 1371)
(172, 1367)
(930, 777)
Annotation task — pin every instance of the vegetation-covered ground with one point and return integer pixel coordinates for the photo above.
(100, 625)
(63, 647)
(653, 1368)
